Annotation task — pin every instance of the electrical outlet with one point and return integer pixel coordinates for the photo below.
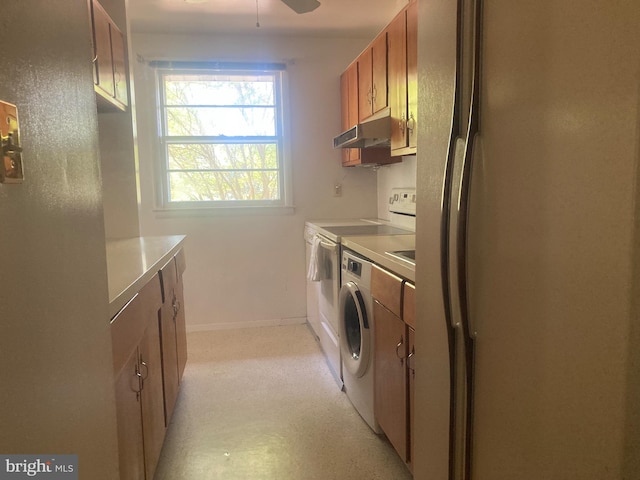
(337, 189)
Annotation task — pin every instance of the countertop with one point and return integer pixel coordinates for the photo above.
(374, 247)
(132, 262)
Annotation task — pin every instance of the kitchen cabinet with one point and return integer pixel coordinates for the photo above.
(372, 78)
(137, 367)
(390, 380)
(403, 93)
(181, 327)
(409, 317)
(349, 118)
(172, 331)
(109, 62)
(149, 348)
(394, 302)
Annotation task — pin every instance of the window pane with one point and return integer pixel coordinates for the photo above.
(221, 121)
(232, 185)
(219, 89)
(206, 156)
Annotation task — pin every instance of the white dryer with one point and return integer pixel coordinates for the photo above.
(356, 334)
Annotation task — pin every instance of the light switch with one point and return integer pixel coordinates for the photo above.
(10, 150)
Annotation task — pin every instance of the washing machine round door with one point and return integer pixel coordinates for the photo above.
(355, 334)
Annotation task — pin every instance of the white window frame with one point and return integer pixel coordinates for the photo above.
(282, 205)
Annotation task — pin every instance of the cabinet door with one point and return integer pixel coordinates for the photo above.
(119, 65)
(409, 304)
(153, 428)
(379, 73)
(103, 64)
(129, 417)
(390, 380)
(365, 84)
(387, 288)
(169, 356)
(181, 328)
(168, 274)
(412, 73)
(344, 111)
(411, 376)
(397, 33)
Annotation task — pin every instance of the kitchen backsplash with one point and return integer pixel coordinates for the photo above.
(399, 175)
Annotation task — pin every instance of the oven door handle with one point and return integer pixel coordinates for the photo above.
(332, 247)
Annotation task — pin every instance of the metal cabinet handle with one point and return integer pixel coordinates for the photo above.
(400, 344)
(402, 123)
(409, 362)
(138, 381)
(146, 369)
(411, 124)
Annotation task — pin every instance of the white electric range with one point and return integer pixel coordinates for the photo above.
(324, 253)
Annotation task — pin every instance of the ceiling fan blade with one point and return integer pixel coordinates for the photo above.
(302, 6)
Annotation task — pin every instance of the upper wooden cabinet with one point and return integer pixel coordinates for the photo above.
(110, 60)
(403, 92)
(372, 78)
(349, 98)
(385, 76)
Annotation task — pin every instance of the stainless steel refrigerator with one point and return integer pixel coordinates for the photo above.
(528, 240)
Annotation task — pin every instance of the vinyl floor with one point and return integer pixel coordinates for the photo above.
(260, 404)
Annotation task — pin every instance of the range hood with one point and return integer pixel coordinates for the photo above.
(373, 132)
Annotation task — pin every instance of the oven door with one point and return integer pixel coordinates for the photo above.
(329, 253)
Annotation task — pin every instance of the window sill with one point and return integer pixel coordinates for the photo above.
(185, 212)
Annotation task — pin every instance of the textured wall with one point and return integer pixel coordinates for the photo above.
(56, 392)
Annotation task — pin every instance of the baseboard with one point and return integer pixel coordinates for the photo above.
(276, 322)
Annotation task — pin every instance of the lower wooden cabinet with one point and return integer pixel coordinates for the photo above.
(152, 395)
(129, 416)
(149, 355)
(173, 331)
(394, 325)
(390, 379)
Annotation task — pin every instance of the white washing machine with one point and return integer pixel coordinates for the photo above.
(356, 334)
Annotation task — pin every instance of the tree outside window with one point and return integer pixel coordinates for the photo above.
(221, 135)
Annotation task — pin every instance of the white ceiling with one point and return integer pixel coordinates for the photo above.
(350, 18)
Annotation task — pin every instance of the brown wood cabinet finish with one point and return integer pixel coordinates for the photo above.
(372, 78)
(387, 288)
(412, 74)
(110, 60)
(129, 418)
(411, 377)
(153, 424)
(397, 34)
(137, 366)
(173, 330)
(409, 304)
(394, 362)
(390, 379)
(349, 118)
(149, 356)
(403, 87)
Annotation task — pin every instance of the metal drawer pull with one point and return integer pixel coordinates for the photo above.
(401, 343)
(146, 367)
(409, 362)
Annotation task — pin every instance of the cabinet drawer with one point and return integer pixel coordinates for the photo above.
(130, 323)
(387, 289)
(409, 304)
